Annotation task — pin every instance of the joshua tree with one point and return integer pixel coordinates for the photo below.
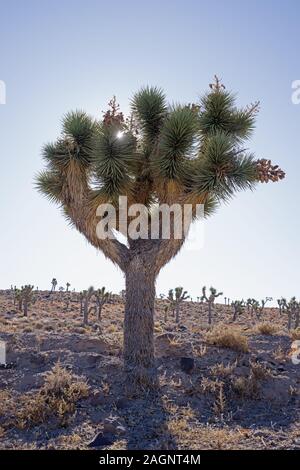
(26, 297)
(102, 297)
(54, 284)
(171, 300)
(210, 300)
(163, 154)
(68, 285)
(123, 295)
(238, 308)
(259, 307)
(19, 299)
(15, 293)
(297, 315)
(292, 308)
(251, 304)
(281, 303)
(166, 312)
(264, 303)
(86, 297)
(175, 298)
(67, 300)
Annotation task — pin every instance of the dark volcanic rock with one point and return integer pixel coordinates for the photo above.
(187, 364)
(101, 439)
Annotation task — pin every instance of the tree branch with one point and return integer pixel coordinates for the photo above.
(76, 200)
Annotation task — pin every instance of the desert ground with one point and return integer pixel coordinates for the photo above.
(64, 384)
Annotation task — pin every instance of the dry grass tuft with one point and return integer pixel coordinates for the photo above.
(246, 387)
(222, 370)
(226, 337)
(295, 334)
(57, 398)
(266, 328)
(79, 330)
(249, 387)
(259, 371)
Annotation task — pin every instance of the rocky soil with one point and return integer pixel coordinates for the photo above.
(239, 388)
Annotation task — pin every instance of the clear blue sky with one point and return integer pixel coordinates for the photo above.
(60, 55)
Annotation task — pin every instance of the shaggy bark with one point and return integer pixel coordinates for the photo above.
(209, 313)
(141, 263)
(177, 313)
(139, 314)
(25, 309)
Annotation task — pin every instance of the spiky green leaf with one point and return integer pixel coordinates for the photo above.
(176, 143)
(149, 106)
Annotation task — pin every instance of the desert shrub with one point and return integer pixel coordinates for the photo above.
(80, 330)
(259, 371)
(47, 327)
(226, 337)
(208, 385)
(246, 387)
(266, 328)
(295, 334)
(57, 398)
(222, 370)
(111, 329)
(5, 402)
(27, 329)
(249, 386)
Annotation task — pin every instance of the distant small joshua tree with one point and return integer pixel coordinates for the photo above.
(26, 297)
(54, 284)
(292, 308)
(176, 297)
(15, 294)
(281, 303)
(264, 303)
(166, 312)
(86, 297)
(123, 295)
(210, 300)
(102, 297)
(68, 285)
(250, 304)
(258, 307)
(238, 307)
(18, 298)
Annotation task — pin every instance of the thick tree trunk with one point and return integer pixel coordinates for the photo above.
(85, 313)
(234, 314)
(297, 319)
(177, 313)
(209, 313)
(139, 316)
(289, 320)
(99, 312)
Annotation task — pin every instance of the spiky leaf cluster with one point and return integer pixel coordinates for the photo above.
(180, 152)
